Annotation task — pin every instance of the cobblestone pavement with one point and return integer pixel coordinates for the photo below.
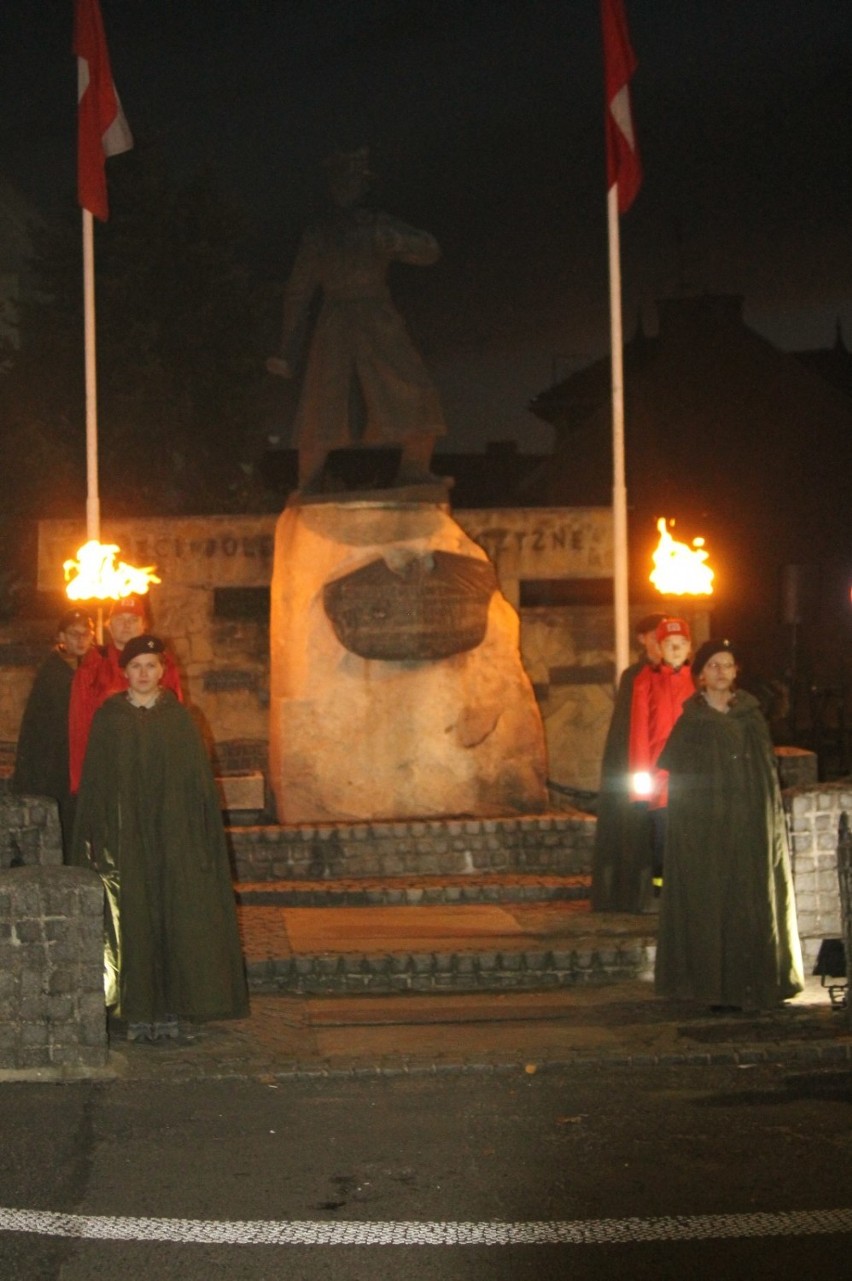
(532, 1031)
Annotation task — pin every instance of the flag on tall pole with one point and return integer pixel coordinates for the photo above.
(102, 129)
(624, 176)
(623, 166)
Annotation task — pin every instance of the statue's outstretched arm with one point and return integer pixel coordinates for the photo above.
(402, 243)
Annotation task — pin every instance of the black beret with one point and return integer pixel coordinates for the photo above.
(72, 616)
(143, 644)
(706, 651)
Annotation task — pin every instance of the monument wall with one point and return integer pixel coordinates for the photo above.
(212, 606)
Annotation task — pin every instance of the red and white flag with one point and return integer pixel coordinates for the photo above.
(101, 127)
(623, 166)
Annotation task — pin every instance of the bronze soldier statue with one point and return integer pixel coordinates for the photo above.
(365, 384)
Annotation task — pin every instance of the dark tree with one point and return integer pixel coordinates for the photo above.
(179, 316)
(179, 357)
(41, 385)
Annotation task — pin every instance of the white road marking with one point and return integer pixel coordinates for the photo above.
(702, 1227)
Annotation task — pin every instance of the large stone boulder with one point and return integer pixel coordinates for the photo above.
(397, 689)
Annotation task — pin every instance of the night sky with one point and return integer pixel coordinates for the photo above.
(485, 123)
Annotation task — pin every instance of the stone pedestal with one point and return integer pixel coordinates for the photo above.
(396, 685)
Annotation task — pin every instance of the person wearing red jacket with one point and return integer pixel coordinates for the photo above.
(659, 692)
(93, 684)
(621, 862)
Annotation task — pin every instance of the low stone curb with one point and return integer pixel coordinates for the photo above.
(460, 971)
(150, 1064)
(388, 894)
(827, 1052)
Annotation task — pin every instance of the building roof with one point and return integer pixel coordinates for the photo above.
(743, 444)
(833, 364)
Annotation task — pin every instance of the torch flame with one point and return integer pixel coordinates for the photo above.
(94, 575)
(680, 570)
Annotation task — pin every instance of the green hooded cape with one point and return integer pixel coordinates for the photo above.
(621, 864)
(41, 760)
(149, 821)
(727, 930)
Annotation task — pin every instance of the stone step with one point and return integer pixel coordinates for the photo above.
(459, 947)
(413, 891)
(553, 844)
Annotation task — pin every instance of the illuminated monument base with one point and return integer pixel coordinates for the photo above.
(396, 684)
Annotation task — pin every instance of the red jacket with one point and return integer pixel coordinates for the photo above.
(659, 694)
(93, 683)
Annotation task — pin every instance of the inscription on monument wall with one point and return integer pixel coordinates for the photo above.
(226, 551)
(531, 543)
(213, 551)
(225, 546)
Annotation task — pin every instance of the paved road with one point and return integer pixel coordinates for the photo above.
(584, 1172)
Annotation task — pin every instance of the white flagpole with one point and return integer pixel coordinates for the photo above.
(621, 601)
(93, 502)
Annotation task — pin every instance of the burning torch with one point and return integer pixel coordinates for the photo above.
(97, 575)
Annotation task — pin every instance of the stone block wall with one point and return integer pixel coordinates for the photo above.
(23, 647)
(223, 652)
(814, 818)
(844, 869)
(552, 843)
(797, 767)
(29, 831)
(242, 754)
(52, 1013)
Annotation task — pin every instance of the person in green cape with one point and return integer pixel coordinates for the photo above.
(149, 822)
(42, 763)
(728, 934)
(621, 865)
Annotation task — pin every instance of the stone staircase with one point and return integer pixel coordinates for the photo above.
(500, 905)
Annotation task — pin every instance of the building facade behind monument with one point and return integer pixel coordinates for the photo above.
(212, 606)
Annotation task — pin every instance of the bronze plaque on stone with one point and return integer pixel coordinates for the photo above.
(431, 607)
